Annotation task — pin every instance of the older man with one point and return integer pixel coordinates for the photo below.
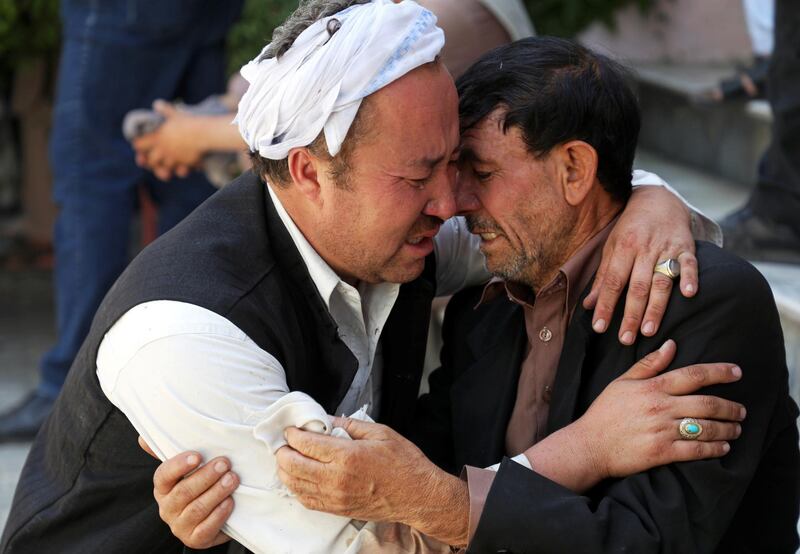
(272, 305)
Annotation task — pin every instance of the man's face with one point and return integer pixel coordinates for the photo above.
(514, 201)
(401, 183)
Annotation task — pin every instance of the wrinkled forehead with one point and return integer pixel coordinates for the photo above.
(417, 113)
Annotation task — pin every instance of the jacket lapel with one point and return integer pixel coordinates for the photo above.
(570, 366)
(483, 395)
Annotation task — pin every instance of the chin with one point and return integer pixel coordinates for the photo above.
(403, 273)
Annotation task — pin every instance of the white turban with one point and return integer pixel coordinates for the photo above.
(320, 81)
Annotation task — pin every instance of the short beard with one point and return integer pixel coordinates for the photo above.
(541, 257)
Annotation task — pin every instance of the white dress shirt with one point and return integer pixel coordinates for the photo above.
(187, 378)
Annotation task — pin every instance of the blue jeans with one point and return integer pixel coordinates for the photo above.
(118, 55)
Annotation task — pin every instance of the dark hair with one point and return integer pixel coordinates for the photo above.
(307, 13)
(555, 90)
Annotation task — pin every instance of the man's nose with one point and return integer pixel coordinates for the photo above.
(466, 199)
(443, 200)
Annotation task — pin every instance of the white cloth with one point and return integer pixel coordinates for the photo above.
(760, 18)
(187, 378)
(320, 81)
(360, 315)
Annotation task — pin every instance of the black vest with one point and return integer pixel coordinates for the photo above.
(87, 486)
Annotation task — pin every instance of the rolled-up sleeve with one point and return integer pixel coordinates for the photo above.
(187, 378)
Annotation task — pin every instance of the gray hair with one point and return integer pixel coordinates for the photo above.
(307, 13)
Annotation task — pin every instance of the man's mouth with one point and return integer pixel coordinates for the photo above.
(488, 236)
(429, 234)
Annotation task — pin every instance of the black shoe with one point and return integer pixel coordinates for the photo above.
(22, 422)
(756, 238)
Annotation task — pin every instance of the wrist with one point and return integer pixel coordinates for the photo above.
(443, 511)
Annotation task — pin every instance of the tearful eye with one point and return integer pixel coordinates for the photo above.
(418, 184)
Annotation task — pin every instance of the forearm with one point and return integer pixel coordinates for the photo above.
(214, 133)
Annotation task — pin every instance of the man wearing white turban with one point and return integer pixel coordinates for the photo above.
(273, 306)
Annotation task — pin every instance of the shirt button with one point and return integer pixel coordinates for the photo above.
(545, 334)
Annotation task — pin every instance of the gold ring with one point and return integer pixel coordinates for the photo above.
(669, 267)
(689, 428)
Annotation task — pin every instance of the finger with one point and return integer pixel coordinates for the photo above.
(182, 171)
(652, 364)
(204, 506)
(688, 379)
(314, 445)
(363, 430)
(173, 470)
(707, 407)
(636, 300)
(298, 485)
(143, 143)
(689, 279)
(712, 430)
(146, 447)
(295, 464)
(660, 291)
(207, 533)
(154, 157)
(688, 451)
(141, 159)
(163, 107)
(188, 490)
(163, 173)
(614, 282)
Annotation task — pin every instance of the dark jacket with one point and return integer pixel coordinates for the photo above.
(87, 486)
(746, 501)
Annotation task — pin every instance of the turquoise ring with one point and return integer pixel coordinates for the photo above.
(689, 428)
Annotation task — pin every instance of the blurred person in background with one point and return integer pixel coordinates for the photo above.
(116, 56)
(185, 139)
(767, 228)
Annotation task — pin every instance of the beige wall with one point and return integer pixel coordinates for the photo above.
(699, 31)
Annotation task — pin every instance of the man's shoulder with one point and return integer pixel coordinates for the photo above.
(724, 274)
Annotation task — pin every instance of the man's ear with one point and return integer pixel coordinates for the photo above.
(580, 170)
(305, 170)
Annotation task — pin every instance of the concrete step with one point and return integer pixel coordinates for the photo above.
(716, 197)
(726, 139)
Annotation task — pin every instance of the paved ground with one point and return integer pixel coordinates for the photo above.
(26, 331)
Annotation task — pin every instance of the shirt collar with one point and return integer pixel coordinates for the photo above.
(575, 274)
(325, 279)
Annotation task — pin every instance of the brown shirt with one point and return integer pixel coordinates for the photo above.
(547, 316)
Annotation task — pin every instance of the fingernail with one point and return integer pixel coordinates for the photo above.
(192, 459)
(689, 289)
(227, 481)
(738, 430)
(220, 467)
(742, 413)
(736, 371)
(649, 328)
(599, 325)
(627, 337)
(726, 448)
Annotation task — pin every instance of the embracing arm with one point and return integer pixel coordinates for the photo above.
(685, 507)
(186, 378)
(656, 224)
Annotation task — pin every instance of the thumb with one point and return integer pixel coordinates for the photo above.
(652, 364)
(163, 107)
(360, 430)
